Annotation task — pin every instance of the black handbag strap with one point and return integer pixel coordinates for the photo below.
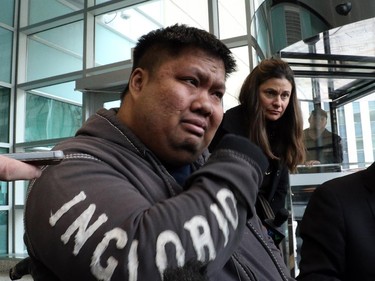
(264, 209)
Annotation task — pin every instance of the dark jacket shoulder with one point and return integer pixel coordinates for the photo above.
(234, 122)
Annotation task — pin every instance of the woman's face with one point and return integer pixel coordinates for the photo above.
(274, 96)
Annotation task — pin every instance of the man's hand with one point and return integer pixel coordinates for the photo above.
(312, 163)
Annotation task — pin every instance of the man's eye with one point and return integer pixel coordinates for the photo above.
(192, 81)
(219, 94)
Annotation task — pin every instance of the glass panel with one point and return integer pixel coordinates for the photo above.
(232, 18)
(349, 39)
(64, 91)
(57, 117)
(354, 117)
(110, 45)
(322, 146)
(101, 1)
(20, 189)
(55, 51)
(3, 232)
(278, 25)
(40, 10)
(257, 3)
(118, 31)
(358, 118)
(3, 187)
(355, 126)
(4, 114)
(7, 12)
(112, 104)
(235, 80)
(313, 89)
(3, 193)
(6, 42)
(192, 12)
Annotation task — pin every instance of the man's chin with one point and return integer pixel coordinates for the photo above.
(193, 146)
(187, 153)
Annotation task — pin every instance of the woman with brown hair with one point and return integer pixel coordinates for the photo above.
(270, 116)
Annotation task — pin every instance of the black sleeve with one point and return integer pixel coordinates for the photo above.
(279, 197)
(220, 133)
(323, 233)
(338, 153)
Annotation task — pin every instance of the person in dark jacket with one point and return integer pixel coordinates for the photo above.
(138, 193)
(338, 230)
(270, 116)
(323, 146)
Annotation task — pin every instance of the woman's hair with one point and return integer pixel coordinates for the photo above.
(288, 129)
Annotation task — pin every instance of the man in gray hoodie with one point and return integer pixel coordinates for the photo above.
(138, 194)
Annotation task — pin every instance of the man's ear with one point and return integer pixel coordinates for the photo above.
(137, 79)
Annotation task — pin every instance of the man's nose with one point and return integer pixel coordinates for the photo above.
(203, 103)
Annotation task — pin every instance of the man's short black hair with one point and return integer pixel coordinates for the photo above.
(173, 40)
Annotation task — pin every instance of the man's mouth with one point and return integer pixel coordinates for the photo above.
(195, 126)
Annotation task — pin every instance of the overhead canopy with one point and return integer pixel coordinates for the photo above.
(329, 44)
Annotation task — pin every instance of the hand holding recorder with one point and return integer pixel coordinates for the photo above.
(24, 165)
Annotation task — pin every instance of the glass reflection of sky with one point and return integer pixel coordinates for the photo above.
(354, 39)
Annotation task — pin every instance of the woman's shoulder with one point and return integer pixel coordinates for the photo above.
(234, 120)
(235, 112)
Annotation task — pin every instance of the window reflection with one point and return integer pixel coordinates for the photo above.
(4, 114)
(324, 151)
(41, 10)
(6, 43)
(3, 192)
(52, 112)
(3, 213)
(55, 51)
(117, 32)
(6, 12)
(232, 19)
(235, 80)
(3, 231)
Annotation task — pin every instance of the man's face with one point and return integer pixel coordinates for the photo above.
(318, 121)
(178, 107)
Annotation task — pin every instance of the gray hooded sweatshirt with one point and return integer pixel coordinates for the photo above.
(111, 211)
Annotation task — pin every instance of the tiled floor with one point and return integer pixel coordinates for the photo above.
(5, 277)
(5, 265)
